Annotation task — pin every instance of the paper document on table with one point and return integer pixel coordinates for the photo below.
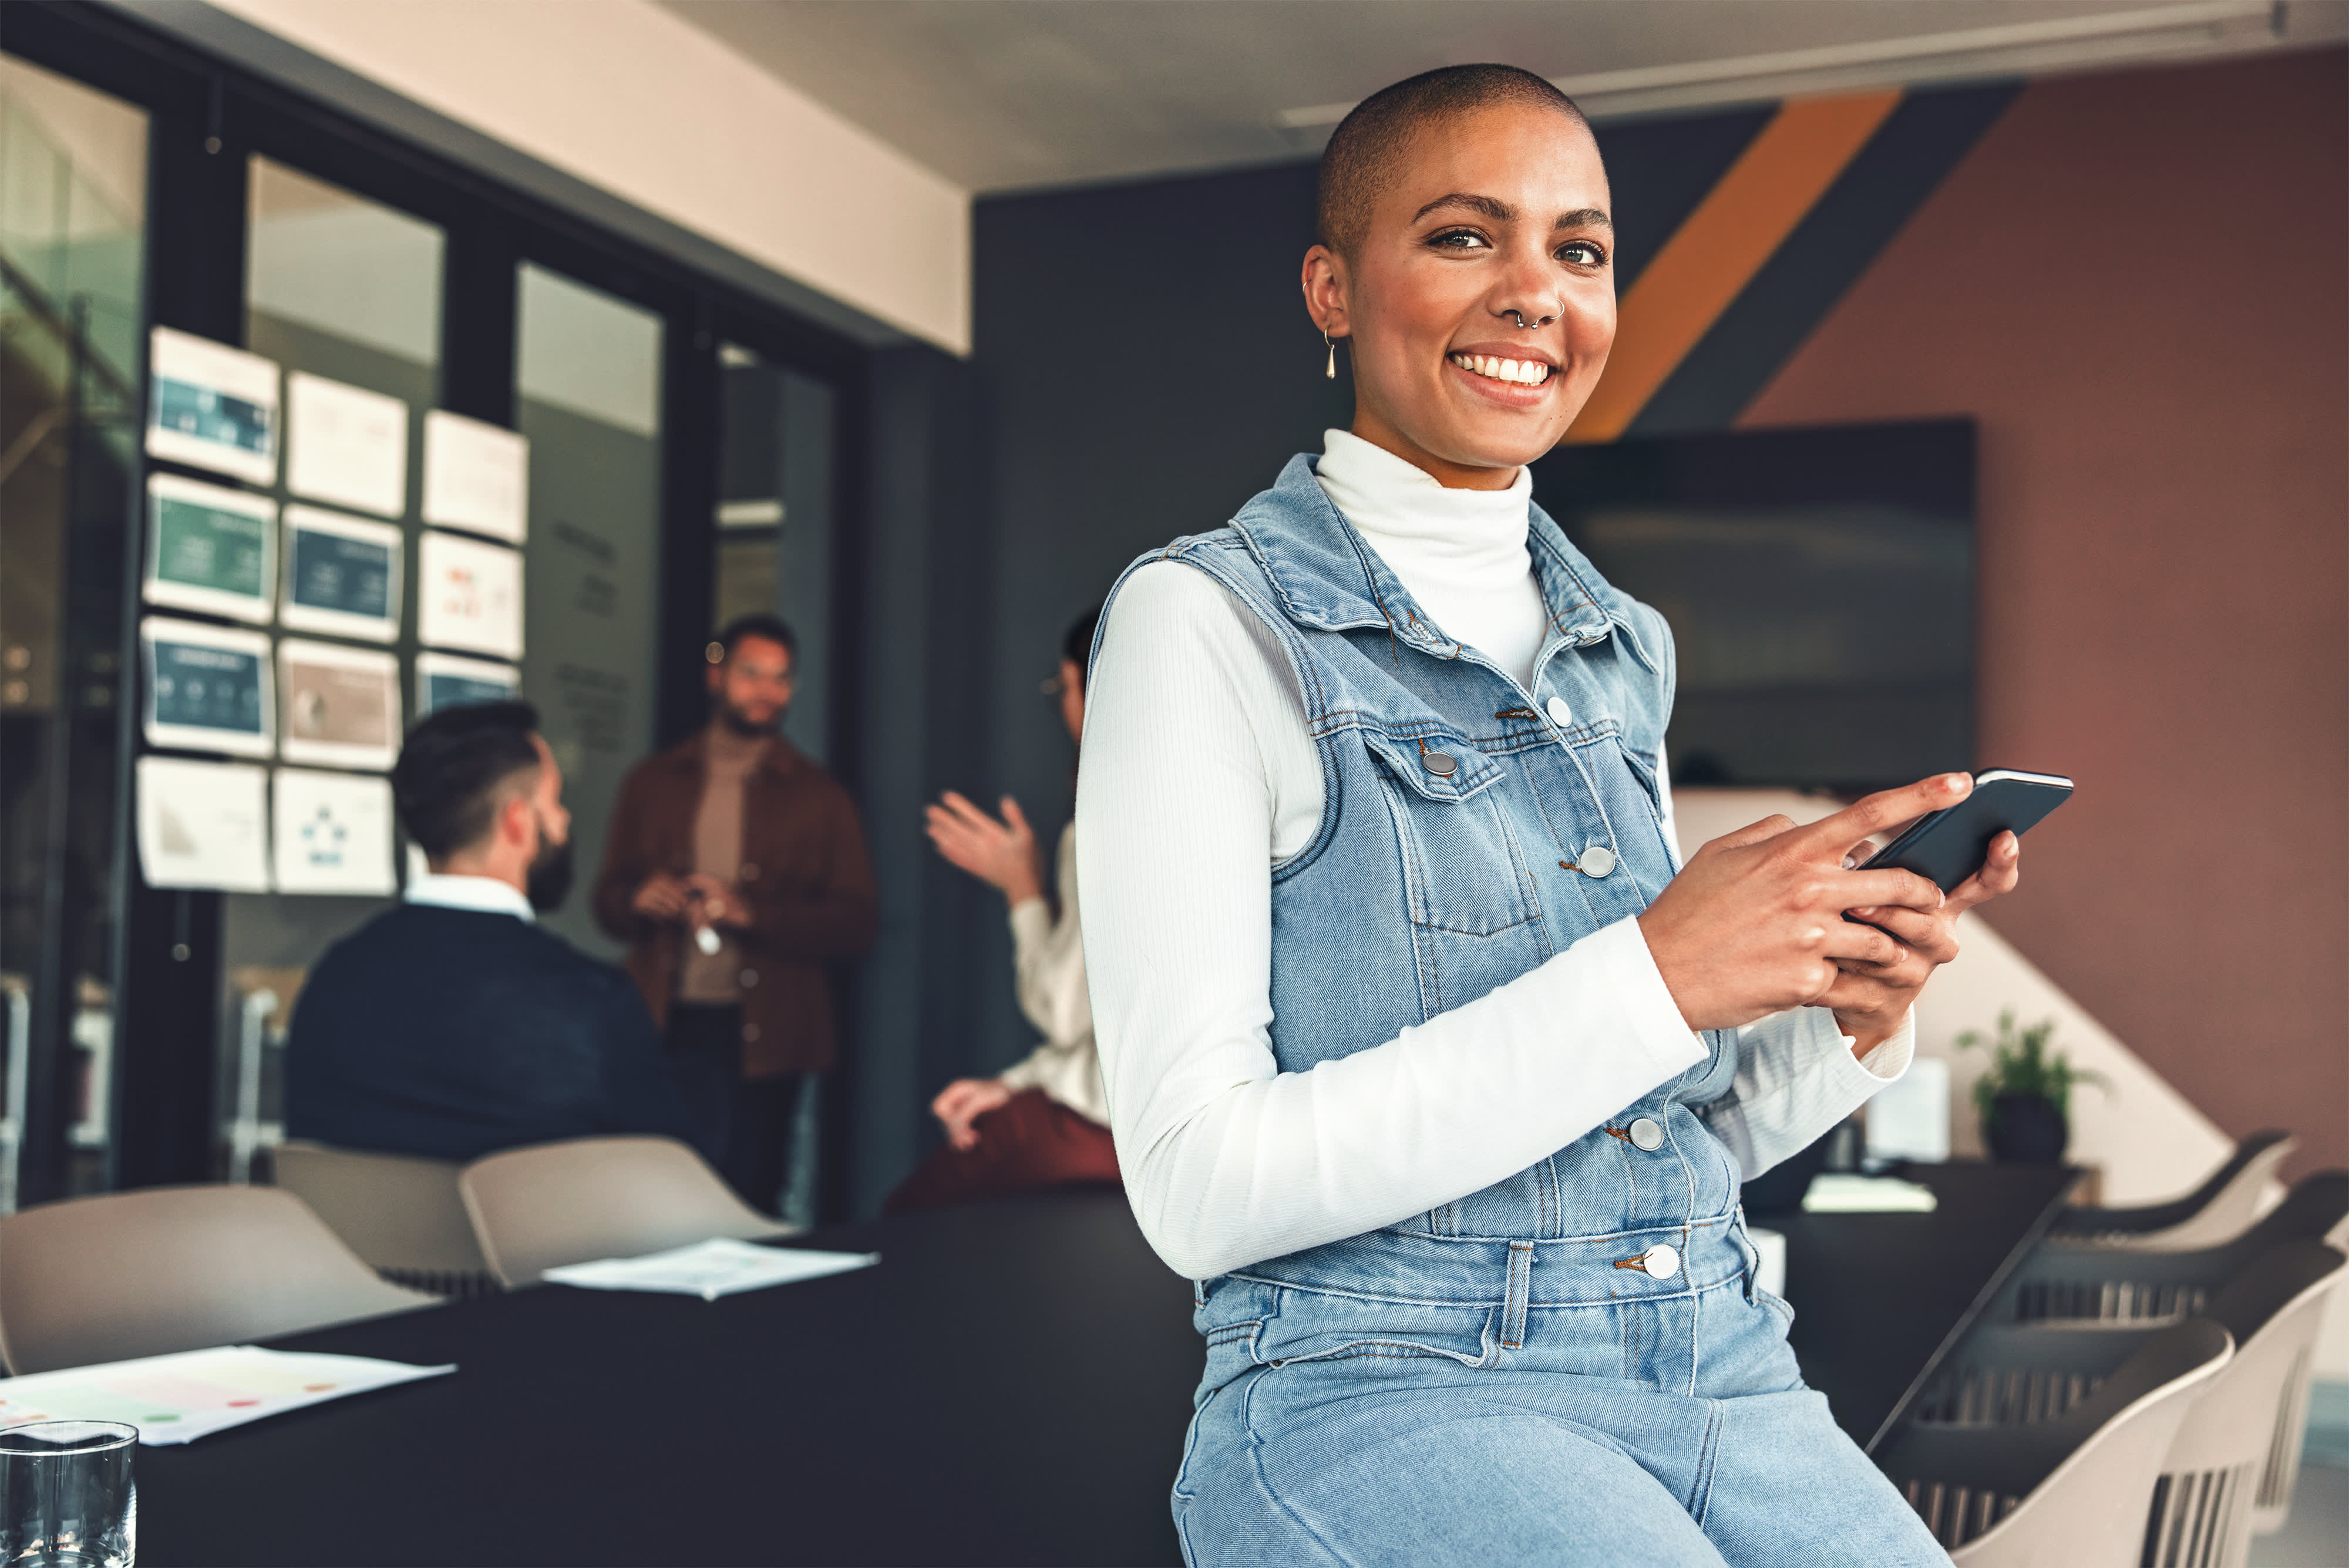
(710, 1268)
(191, 1394)
(1836, 1194)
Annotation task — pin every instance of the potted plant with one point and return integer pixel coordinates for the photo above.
(2026, 1097)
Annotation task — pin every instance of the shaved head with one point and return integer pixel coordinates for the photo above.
(1369, 145)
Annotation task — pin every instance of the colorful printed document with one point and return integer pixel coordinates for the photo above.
(179, 1398)
(710, 1268)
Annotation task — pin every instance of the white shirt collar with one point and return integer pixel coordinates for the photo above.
(486, 895)
(1461, 540)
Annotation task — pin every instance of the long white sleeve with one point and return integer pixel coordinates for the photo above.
(1227, 1160)
(1049, 961)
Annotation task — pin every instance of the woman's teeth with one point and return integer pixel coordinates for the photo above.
(1524, 372)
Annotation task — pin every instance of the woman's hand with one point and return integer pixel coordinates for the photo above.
(1872, 999)
(1001, 853)
(963, 1102)
(1754, 923)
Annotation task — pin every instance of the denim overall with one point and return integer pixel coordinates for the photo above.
(1574, 1364)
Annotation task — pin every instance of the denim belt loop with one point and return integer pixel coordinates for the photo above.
(1513, 1311)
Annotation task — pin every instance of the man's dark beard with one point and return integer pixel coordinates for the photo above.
(731, 717)
(549, 881)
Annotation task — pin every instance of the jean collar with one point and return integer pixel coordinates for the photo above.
(1329, 577)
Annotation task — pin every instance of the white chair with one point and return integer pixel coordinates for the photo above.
(2214, 1214)
(537, 1209)
(2230, 1469)
(2073, 1492)
(400, 1213)
(174, 1268)
(2118, 1285)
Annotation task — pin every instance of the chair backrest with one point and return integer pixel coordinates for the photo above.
(174, 1268)
(2118, 1285)
(2225, 1461)
(2072, 1492)
(537, 1209)
(2214, 1214)
(400, 1213)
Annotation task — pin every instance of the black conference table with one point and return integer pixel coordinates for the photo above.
(1010, 1386)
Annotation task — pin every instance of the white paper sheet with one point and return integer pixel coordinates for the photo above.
(209, 548)
(204, 824)
(1834, 1193)
(449, 680)
(710, 1268)
(208, 688)
(342, 704)
(1909, 1118)
(331, 833)
(342, 575)
(211, 407)
(346, 445)
(476, 476)
(469, 596)
(193, 1393)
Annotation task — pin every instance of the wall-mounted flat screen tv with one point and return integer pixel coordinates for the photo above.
(1820, 586)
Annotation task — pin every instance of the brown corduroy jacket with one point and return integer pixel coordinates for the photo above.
(804, 873)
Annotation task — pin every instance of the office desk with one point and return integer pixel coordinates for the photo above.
(1010, 1386)
(1880, 1299)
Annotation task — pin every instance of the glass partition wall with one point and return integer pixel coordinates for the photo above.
(73, 178)
(144, 186)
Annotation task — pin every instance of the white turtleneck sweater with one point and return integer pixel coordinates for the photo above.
(1199, 776)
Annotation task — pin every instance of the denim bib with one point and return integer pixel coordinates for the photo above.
(1471, 829)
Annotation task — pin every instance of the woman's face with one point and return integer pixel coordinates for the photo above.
(1501, 210)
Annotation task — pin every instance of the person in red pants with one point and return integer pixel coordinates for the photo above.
(1045, 1122)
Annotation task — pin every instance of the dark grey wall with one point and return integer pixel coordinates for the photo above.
(1144, 366)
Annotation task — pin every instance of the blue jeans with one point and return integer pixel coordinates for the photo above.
(1337, 1426)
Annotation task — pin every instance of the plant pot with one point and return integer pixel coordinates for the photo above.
(2026, 1130)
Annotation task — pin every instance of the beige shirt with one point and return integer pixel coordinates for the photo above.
(728, 761)
(1049, 955)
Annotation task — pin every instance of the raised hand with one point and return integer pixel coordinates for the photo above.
(1754, 923)
(1003, 854)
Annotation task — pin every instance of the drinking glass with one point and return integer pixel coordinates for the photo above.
(66, 1497)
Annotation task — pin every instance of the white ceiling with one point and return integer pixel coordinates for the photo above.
(1006, 94)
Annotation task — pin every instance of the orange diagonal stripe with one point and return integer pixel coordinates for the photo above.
(1716, 252)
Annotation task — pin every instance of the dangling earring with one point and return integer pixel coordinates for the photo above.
(1330, 370)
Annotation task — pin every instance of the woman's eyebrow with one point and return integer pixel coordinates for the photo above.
(1584, 218)
(1500, 212)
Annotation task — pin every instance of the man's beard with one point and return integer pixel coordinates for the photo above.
(549, 881)
(731, 717)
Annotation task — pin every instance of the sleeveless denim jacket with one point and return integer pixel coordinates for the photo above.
(1468, 833)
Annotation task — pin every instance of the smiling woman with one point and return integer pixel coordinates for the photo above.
(1425, 1057)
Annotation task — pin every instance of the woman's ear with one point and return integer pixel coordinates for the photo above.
(1326, 291)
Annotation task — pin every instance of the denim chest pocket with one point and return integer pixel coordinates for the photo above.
(1464, 872)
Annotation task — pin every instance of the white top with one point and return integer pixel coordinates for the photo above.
(1050, 958)
(1198, 777)
(454, 891)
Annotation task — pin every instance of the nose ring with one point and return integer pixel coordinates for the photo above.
(1525, 325)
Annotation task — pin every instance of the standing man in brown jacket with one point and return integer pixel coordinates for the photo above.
(736, 871)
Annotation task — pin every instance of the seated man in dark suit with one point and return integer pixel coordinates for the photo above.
(453, 1026)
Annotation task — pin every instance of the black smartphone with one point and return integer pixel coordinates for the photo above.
(1951, 845)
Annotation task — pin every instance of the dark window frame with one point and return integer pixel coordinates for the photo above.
(208, 118)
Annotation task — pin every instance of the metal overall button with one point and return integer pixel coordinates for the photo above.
(1441, 764)
(1646, 1136)
(1661, 1261)
(1559, 713)
(1598, 860)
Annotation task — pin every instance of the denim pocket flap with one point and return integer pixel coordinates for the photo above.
(1436, 767)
